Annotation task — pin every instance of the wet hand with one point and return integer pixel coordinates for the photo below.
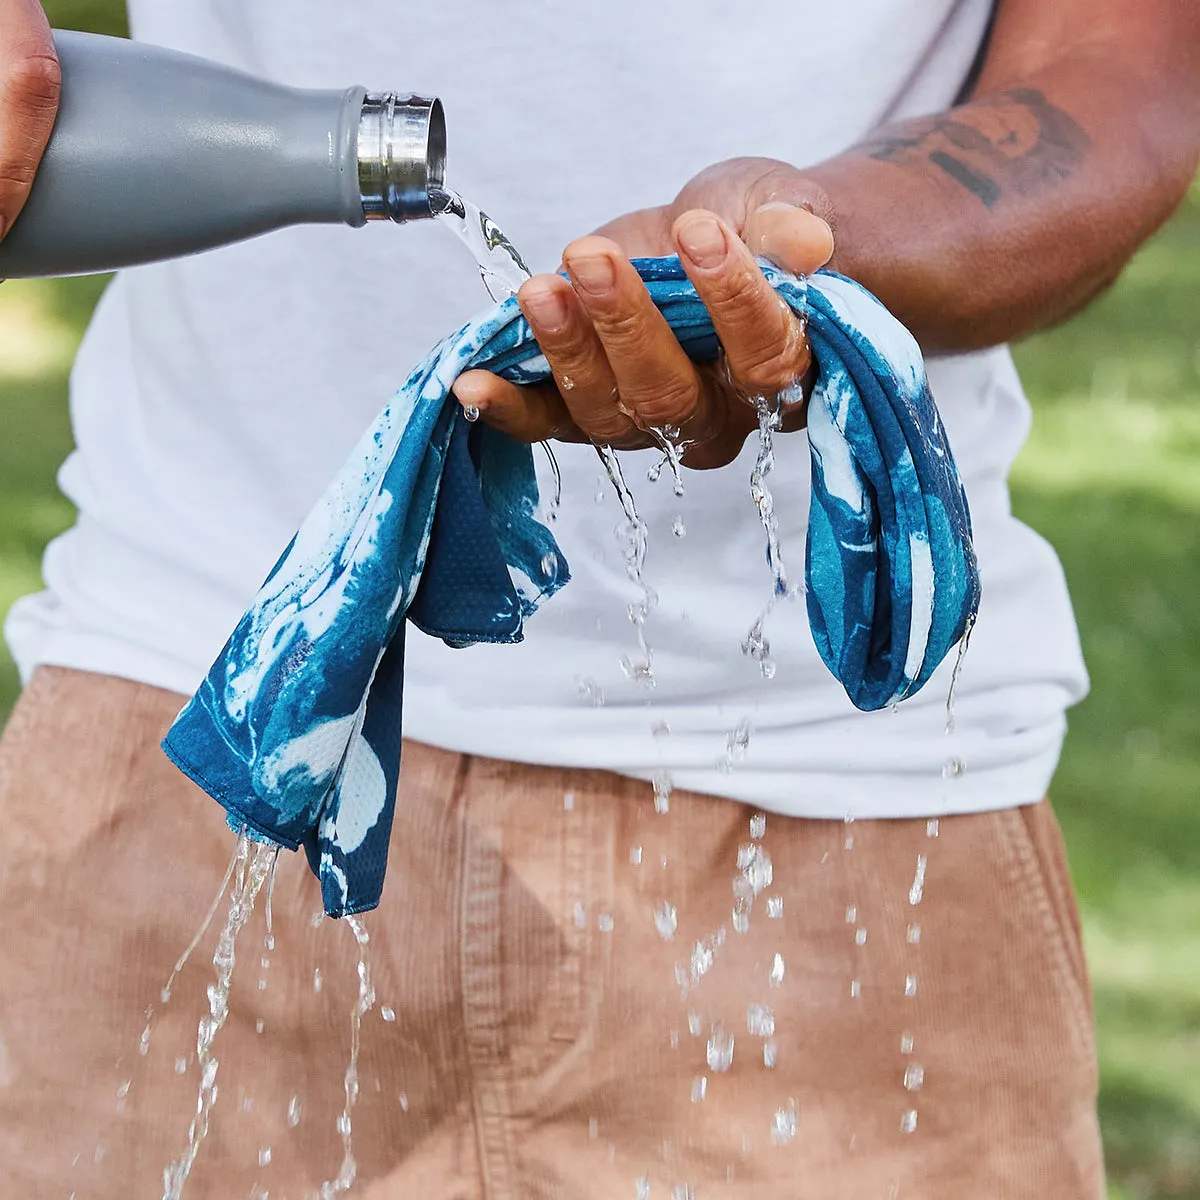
(619, 371)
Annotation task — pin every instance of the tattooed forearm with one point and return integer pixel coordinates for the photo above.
(1016, 141)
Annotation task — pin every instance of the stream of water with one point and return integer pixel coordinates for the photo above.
(253, 863)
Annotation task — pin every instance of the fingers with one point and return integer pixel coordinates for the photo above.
(573, 348)
(29, 88)
(532, 413)
(764, 343)
(657, 384)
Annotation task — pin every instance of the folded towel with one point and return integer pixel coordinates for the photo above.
(296, 728)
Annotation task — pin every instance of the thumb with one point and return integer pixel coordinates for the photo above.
(790, 236)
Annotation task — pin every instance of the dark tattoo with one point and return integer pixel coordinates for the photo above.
(1015, 141)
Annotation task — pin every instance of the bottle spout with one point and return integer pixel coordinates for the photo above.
(401, 156)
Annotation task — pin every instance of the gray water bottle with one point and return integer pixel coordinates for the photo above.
(157, 154)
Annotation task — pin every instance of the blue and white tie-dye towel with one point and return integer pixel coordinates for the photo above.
(296, 729)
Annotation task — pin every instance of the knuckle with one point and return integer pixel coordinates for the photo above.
(772, 364)
(673, 402)
(623, 332)
(33, 80)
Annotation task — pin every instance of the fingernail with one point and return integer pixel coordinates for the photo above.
(546, 309)
(703, 241)
(595, 273)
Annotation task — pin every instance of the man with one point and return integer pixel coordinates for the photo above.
(905, 1012)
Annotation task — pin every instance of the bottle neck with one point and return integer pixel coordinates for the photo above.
(401, 156)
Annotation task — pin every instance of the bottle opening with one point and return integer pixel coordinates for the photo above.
(401, 156)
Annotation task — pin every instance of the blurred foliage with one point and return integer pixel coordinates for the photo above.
(1111, 476)
(98, 16)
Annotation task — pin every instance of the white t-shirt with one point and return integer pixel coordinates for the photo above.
(214, 397)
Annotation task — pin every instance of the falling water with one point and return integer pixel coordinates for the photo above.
(250, 873)
(769, 409)
(673, 449)
(362, 1005)
(501, 267)
(502, 270)
(954, 767)
(632, 533)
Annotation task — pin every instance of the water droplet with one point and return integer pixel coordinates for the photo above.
(775, 907)
(470, 412)
(849, 842)
(144, 1043)
(914, 1077)
(247, 1103)
(719, 1051)
(666, 921)
(695, 1025)
(404, 1102)
(758, 826)
(777, 970)
(662, 791)
(932, 828)
(699, 1088)
(755, 866)
(673, 1038)
(760, 1021)
(914, 935)
(910, 985)
(635, 855)
(388, 1014)
(580, 914)
(643, 1188)
(568, 801)
(860, 937)
(181, 1065)
(317, 918)
(908, 1122)
(917, 891)
(851, 914)
(122, 1092)
(955, 768)
(737, 741)
(783, 1124)
(740, 919)
(294, 1109)
(683, 1191)
(604, 923)
(593, 1128)
(566, 384)
(259, 1025)
(660, 729)
(906, 1043)
(98, 1156)
(590, 691)
(678, 528)
(855, 989)
(264, 1156)
(770, 1053)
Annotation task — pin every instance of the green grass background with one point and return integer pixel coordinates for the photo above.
(1111, 475)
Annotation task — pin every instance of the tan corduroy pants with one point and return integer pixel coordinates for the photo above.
(568, 1006)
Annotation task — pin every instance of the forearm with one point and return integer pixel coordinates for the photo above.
(1010, 212)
